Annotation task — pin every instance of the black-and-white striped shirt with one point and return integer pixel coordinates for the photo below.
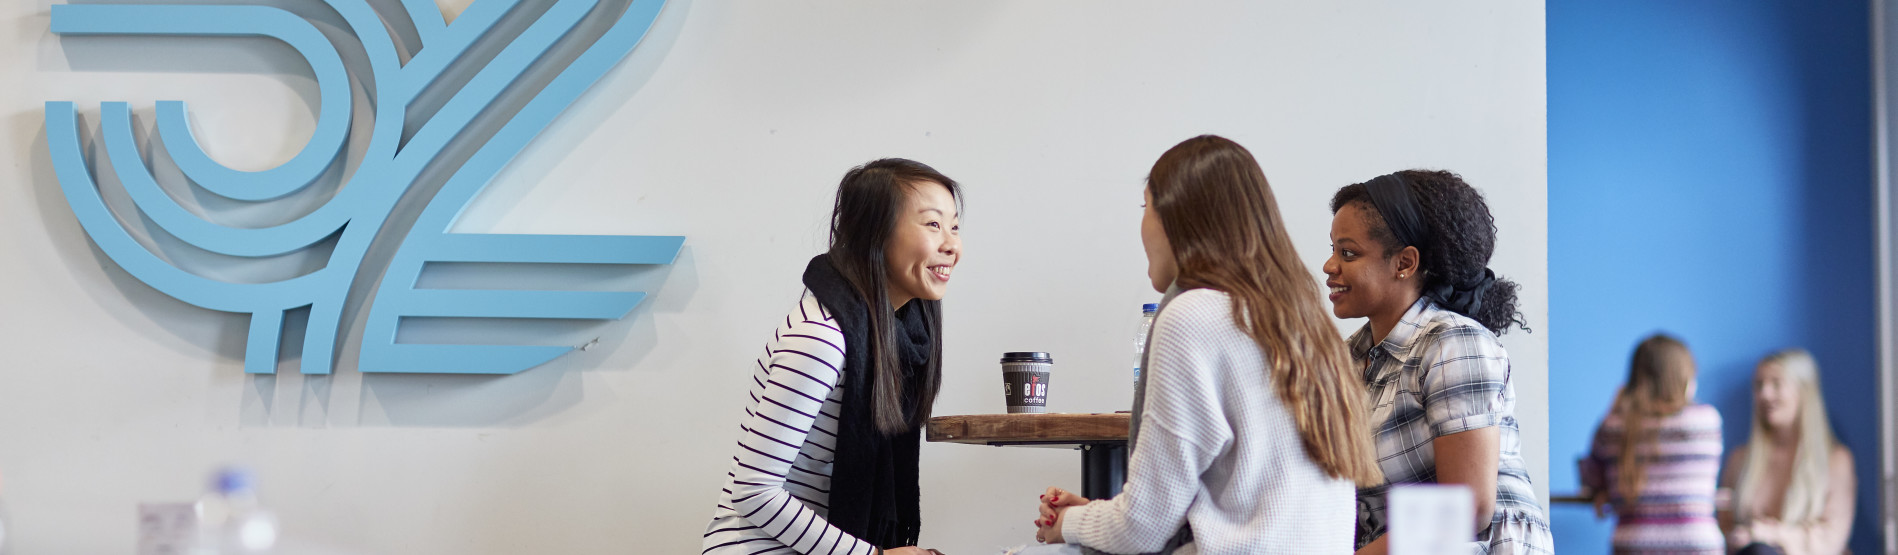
(775, 496)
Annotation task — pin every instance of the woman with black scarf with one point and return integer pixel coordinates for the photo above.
(827, 457)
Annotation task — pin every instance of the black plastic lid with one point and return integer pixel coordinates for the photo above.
(1027, 357)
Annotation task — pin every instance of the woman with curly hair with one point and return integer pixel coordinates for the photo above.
(1410, 251)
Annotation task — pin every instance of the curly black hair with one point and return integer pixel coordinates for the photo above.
(1462, 237)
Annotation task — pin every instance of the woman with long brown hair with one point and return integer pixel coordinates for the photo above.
(1410, 252)
(1249, 426)
(1656, 457)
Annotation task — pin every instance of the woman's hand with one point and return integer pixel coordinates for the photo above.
(1048, 527)
(1765, 530)
(1740, 536)
(1057, 497)
(1054, 503)
(1379, 546)
(1600, 500)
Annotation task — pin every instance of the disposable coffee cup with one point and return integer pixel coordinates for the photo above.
(1025, 381)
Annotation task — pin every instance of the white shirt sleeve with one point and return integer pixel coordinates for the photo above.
(1181, 433)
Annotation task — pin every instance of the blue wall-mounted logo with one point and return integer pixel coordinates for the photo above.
(364, 203)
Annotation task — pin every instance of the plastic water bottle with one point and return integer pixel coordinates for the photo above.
(1147, 311)
(230, 521)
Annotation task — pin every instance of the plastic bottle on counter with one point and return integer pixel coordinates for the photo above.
(1147, 311)
(230, 521)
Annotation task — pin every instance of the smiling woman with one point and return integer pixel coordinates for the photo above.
(1792, 481)
(925, 244)
(827, 462)
(1410, 251)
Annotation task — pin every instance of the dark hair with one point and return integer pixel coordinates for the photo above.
(1462, 235)
(1223, 224)
(869, 200)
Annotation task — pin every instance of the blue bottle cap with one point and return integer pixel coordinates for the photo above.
(231, 480)
(1150, 307)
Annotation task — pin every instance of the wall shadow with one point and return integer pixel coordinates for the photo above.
(1830, 61)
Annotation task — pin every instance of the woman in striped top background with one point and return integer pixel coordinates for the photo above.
(1656, 457)
(826, 461)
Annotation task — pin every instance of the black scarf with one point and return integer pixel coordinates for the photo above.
(873, 491)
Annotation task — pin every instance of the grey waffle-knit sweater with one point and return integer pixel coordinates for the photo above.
(1218, 451)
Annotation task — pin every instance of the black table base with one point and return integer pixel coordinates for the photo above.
(1103, 469)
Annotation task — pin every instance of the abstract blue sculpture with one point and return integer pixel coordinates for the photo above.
(362, 207)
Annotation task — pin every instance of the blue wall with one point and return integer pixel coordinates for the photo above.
(1710, 175)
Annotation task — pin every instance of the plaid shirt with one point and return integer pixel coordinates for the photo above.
(1439, 373)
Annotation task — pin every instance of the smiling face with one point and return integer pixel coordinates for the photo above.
(1776, 397)
(925, 246)
(1162, 269)
(1363, 281)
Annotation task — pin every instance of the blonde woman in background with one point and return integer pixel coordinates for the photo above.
(1656, 457)
(1792, 481)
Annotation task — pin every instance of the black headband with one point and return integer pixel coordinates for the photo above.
(1392, 198)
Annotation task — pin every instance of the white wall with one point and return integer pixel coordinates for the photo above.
(730, 126)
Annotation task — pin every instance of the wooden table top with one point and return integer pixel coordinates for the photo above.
(1023, 429)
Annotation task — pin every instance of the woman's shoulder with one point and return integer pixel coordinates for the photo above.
(1200, 300)
(1196, 309)
(1439, 322)
(1700, 413)
(1841, 458)
(1614, 418)
(809, 319)
(1446, 335)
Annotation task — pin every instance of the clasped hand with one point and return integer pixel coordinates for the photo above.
(1054, 503)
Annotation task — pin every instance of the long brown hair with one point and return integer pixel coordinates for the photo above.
(1658, 379)
(1223, 223)
(869, 201)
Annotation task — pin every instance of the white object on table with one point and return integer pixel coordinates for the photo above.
(167, 528)
(1430, 519)
(172, 529)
